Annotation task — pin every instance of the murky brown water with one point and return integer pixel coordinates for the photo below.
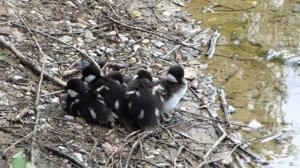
(268, 91)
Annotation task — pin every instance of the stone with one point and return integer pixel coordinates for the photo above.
(19, 95)
(54, 70)
(66, 39)
(254, 124)
(136, 47)
(41, 107)
(78, 156)
(157, 54)
(55, 100)
(157, 43)
(145, 41)
(123, 38)
(166, 13)
(88, 36)
(135, 14)
(190, 73)
(69, 117)
(17, 77)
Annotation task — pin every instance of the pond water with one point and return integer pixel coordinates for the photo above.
(260, 89)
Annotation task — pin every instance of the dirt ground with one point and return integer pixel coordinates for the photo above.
(124, 36)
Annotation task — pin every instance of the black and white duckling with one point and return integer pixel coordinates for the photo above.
(143, 105)
(85, 103)
(110, 89)
(172, 88)
(118, 77)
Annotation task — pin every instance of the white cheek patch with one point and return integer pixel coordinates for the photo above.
(72, 93)
(162, 99)
(157, 112)
(129, 105)
(135, 77)
(117, 104)
(74, 102)
(171, 78)
(141, 115)
(101, 101)
(89, 78)
(138, 94)
(92, 112)
(130, 92)
(99, 89)
(157, 88)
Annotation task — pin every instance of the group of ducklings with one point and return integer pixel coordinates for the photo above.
(137, 101)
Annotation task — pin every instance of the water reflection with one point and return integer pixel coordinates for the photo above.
(264, 90)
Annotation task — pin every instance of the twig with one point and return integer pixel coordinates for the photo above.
(150, 32)
(147, 161)
(178, 153)
(77, 49)
(52, 93)
(211, 149)
(70, 158)
(28, 63)
(177, 46)
(20, 115)
(225, 107)
(95, 145)
(212, 44)
(130, 153)
(17, 142)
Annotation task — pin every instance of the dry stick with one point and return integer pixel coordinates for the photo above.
(254, 156)
(53, 38)
(28, 63)
(150, 32)
(213, 147)
(212, 44)
(225, 107)
(144, 160)
(130, 153)
(17, 142)
(178, 153)
(52, 93)
(34, 143)
(96, 143)
(177, 46)
(70, 158)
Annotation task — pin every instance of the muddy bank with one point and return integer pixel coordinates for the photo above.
(123, 36)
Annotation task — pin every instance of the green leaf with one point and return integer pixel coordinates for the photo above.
(18, 160)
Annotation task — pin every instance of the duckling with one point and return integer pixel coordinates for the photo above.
(110, 90)
(118, 77)
(143, 105)
(172, 88)
(85, 103)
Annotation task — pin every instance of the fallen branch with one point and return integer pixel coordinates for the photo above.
(225, 107)
(212, 44)
(178, 153)
(17, 142)
(28, 63)
(150, 32)
(59, 153)
(130, 153)
(212, 148)
(177, 46)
